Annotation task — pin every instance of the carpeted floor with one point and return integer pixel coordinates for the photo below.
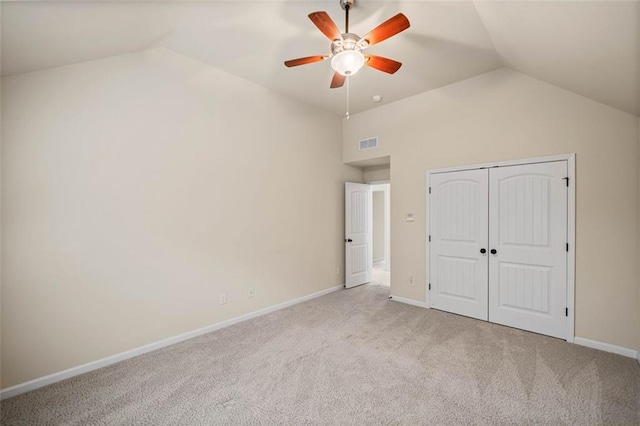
(351, 357)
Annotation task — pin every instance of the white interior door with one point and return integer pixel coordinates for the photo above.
(458, 226)
(528, 232)
(358, 234)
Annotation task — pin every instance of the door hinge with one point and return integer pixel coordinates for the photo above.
(429, 238)
(429, 190)
(566, 312)
(429, 286)
(567, 179)
(567, 246)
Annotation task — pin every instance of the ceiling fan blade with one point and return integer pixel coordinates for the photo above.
(337, 80)
(326, 25)
(304, 61)
(382, 64)
(388, 28)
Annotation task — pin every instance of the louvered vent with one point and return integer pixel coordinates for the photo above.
(370, 143)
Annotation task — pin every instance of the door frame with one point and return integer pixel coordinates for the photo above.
(571, 222)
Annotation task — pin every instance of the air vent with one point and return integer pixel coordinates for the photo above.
(370, 143)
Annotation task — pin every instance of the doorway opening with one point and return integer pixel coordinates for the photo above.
(368, 256)
(363, 224)
(381, 227)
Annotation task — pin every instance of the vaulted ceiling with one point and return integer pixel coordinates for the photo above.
(591, 48)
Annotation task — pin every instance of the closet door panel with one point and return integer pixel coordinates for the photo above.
(458, 224)
(527, 241)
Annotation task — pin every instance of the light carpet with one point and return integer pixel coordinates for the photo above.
(352, 357)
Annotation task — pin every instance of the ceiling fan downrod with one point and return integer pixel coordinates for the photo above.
(346, 5)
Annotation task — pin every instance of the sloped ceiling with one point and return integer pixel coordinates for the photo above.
(590, 48)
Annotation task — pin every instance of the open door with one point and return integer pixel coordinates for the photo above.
(358, 233)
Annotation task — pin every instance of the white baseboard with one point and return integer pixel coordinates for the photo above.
(607, 347)
(409, 301)
(94, 365)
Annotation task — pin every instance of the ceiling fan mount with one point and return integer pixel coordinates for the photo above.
(344, 4)
(347, 55)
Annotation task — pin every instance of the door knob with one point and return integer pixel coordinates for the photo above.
(348, 240)
(483, 251)
(494, 251)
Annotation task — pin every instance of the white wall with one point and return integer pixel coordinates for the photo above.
(137, 189)
(506, 115)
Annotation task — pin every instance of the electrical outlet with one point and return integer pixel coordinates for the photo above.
(411, 281)
(252, 292)
(338, 270)
(223, 299)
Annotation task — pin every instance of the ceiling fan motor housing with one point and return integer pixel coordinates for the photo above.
(349, 42)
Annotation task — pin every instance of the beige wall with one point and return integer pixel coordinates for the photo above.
(378, 224)
(377, 173)
(506, 115)
(137, 189)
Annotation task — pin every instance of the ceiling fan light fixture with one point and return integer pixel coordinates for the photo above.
(347, 62)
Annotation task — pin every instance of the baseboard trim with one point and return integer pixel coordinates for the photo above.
(607, 347)
(408, 301)
(103, 362)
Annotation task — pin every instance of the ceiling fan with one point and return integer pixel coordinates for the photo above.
(346, 49)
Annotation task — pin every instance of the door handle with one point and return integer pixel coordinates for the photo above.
(494, 251)
(483, 251)
(348, 240)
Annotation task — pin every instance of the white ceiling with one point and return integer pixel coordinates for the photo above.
(588, 47)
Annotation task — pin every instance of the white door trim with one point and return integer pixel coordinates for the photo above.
(515, 162)
(571, 223)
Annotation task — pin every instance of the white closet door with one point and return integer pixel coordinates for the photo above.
(458, 217)
(528, 231)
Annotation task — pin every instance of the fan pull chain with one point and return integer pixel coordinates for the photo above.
(347, 114)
